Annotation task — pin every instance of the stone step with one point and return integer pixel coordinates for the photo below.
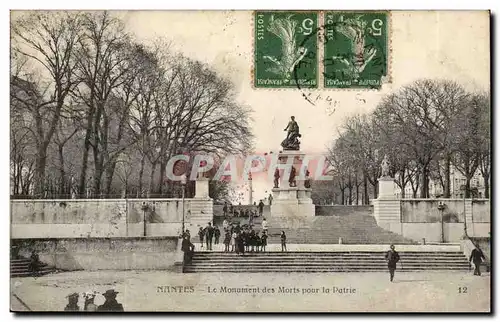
(27, 273)
(307, 270)
(325, 264)
(328, 253)
(323, 261)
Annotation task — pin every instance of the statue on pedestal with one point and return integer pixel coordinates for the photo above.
(276, 178)
(385, 167)
(291, 180)
(307, 182)
(291, 142)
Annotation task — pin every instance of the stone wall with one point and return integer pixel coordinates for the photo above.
(426, 210)
(420, 218)
(92, 254)
(82, 218)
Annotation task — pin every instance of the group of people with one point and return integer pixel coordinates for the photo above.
(110, 304)
(210, 235)
(234, 211)
(244, 239)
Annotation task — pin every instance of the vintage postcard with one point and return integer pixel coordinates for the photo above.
(250, 161)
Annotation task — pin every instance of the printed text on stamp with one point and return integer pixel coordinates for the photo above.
(355, 49)
(285, 49)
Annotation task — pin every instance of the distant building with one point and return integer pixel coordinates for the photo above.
(457, 182)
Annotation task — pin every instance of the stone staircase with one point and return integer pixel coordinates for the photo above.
(315, 262)
(19, 267)
(355, 225)
(355, 228)
(201, 212)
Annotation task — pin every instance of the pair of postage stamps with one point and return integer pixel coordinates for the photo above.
(309, 49)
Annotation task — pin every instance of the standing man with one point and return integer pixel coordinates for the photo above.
(72, 305)
(224, 209)
(392, 258)
(216, 234)
(188, 248)
(261, 208)
(209, 234)
(110, 303)
(477, 258)
(270, 198)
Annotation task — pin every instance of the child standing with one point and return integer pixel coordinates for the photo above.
(201, 234)
(233, 241)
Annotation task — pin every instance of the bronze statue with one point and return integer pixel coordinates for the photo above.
(291, 142)
(276, 178)
(307, 182)
(291, 180)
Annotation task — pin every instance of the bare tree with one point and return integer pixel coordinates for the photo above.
(48, 40)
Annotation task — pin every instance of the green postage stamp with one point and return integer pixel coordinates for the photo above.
(286, 49)
(355, 49)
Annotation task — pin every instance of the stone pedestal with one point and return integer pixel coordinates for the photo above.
(386, 208)
(292, 207)
(386, 188)
(201, 189)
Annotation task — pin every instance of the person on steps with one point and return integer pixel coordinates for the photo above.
(227, 240)
(233, 241)
(34, 265)
(216, 235)
(201, 234)
(392, 258)
(209, 235)
(188, 248)
(261, 208)
(283, 241)
(263, 241)
(477, 257)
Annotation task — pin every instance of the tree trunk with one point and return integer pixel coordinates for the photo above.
(62, 173)
(486, 179)
(375, 190)
(41, 162)
(141, 173)
(161, 178)
(110, 172)
(424, 191)
(343, 196)
(467, 186)
(151, 177)
(86, 148)
(357, 194)
(366, 196)
(447, 177)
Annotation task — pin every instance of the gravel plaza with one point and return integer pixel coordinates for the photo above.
(276, 292)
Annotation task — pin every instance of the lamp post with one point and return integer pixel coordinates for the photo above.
(183, 183)
(441, 207)
(144, 208)
(462, 188)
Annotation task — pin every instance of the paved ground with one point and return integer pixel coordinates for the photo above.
(347, 292)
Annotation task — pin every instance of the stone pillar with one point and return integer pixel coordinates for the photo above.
(201, 189)
(292, 207)
(386, 208)
(386, 188)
